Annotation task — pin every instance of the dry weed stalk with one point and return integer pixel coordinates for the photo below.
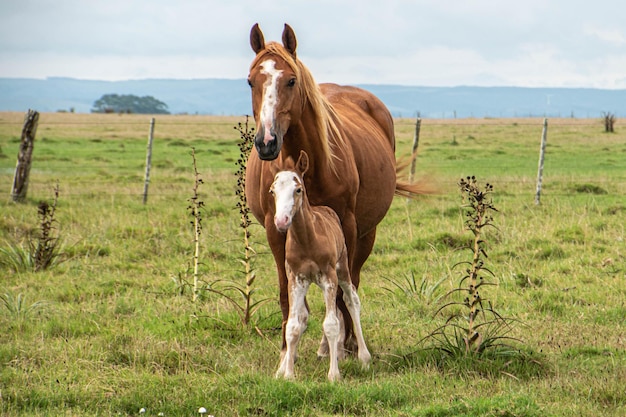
(46, 251)
(245, 146)
(195, 209)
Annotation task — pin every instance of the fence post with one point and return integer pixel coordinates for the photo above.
(544, 136)
(416, 139)
(148, 161)
(24, 156)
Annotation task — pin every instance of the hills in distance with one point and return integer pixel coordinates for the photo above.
(232, 97)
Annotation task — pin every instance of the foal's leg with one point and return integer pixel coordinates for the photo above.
(353, 303)
(296, 323)
(361, 252)
(331, 321)
(323, 350)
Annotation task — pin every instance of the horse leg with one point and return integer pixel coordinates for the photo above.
(361, 252)
(331, 323)
(276, 243)
(364, 247)
(296, 323)
(349, 229)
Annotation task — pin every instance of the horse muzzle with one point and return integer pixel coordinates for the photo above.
(268, 148)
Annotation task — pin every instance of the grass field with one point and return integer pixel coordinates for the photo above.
(110, 330)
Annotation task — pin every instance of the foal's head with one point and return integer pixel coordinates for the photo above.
(288, 190)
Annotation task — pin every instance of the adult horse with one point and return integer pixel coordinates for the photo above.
(348, 134)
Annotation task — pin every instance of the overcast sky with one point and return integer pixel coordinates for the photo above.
(529, 43)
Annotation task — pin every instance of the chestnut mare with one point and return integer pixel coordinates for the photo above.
(348, 134)
(315, 252)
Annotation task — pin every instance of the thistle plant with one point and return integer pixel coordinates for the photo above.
(477, 326)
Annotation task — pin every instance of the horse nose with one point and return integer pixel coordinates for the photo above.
(268, 149)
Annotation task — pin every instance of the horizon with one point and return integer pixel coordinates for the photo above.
(232, 97)
(60, 77)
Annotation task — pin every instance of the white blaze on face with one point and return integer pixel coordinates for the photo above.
(270, 97)
(284, 189)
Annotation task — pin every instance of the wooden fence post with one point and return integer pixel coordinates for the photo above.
(148, 161)
(544, 136)
(416, 139)
(24, 156)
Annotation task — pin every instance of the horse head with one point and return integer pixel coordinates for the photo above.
(276, 91)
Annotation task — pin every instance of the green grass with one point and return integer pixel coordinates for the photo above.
(112, 333)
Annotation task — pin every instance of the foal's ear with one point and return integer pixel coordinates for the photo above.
(303, 163)
(289, 40)
(257, 41)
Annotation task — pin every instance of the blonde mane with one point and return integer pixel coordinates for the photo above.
(326, 118)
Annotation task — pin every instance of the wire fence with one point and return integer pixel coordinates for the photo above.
(109, 138)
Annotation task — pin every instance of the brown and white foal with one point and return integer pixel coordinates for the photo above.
(315, 252)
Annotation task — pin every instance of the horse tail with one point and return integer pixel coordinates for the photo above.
(414, 189)
(409, 188)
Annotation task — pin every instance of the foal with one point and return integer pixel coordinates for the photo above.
(315, 252)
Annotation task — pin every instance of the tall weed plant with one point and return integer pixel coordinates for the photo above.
(474, 325)
(239, 295)
(40, 254)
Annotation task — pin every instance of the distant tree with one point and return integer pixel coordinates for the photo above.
(128, 103)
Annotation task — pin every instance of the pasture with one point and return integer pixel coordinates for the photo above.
(113, 329)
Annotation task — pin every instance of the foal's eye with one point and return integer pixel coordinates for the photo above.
(298, 190)
(291, 82)
(250, 83)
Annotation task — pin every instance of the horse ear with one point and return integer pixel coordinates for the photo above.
(257, 41)
(303, 163)
(289, 40)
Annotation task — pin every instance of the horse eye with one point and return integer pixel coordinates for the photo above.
(298, 190)
(250, 83)
(291, 82)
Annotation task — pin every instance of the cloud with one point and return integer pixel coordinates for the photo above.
(420, 42)
(610, 35)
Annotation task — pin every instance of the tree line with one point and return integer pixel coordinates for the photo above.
(129, 103)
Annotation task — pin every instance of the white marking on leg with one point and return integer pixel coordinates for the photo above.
(270, 97)
(296, 323)
(331, 324)
(353, 303)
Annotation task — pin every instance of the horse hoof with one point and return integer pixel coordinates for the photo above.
(334, 377)
(284, 375)
(365, 359)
